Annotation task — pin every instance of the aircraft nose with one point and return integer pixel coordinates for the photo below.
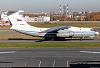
(97, 33)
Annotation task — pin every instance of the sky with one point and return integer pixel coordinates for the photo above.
(49, 5)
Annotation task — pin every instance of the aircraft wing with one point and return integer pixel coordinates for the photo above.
(55, 29)
(52, 32)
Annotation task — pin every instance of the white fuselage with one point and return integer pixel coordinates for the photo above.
(30, 30)
(20, 25)
(77, 32)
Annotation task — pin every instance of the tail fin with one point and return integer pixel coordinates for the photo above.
(17, 20)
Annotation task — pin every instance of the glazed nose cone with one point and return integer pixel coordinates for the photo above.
(97, 33)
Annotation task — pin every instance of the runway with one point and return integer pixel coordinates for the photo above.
(48, 57)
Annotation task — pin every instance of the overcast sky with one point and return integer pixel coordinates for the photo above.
(49, 5)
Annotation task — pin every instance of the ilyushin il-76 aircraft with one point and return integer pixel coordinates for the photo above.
(54, 33)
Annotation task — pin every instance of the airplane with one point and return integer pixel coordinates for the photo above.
(53, 33)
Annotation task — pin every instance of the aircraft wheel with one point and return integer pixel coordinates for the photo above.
(59, 39)
(48, 38)
(81, 38)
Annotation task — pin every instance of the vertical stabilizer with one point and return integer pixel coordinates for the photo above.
(18, 23)
(17, 20)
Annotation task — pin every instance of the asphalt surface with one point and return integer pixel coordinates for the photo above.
(47, 57)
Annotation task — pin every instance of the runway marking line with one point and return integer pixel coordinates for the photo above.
(7, 52)
(40, 63)
(90, 52)
(68, 64)
(54, 63)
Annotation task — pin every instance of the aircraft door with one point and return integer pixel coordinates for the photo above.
(71, 34)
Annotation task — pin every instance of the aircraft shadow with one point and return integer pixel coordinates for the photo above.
(19, 39)
(42, 40)
(35, 40)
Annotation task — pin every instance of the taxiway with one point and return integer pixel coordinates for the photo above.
(47, 57)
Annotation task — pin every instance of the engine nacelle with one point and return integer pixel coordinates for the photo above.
(76, 34)
(65, 34)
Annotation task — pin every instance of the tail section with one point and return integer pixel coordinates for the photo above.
(18, 22)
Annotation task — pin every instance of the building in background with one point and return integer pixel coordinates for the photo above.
(4, 21)
(37, 19)
(64, 10)
(4, 16)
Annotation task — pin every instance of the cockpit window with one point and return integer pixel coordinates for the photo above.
(93, 30)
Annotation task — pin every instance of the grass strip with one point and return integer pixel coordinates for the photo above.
(51, 44)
